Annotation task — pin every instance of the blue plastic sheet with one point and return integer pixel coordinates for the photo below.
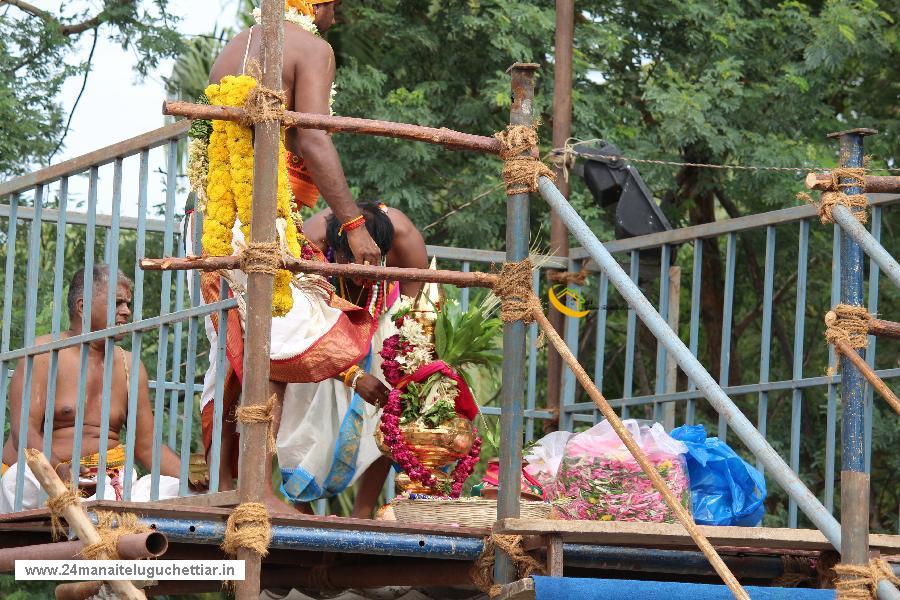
(568, 588)
(725, 489)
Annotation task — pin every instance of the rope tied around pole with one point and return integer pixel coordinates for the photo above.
(513, 287)
(111, 526)
(259, 413)
(248, 527)
(263, 105)
(857, 204)
(568, 277)
(849, 324)
(521, 168)
(564, 158)
(860, 582)
(482, 572)
(57, 507)
(261, 257)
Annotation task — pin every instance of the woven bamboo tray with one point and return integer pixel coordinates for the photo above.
(465, 512)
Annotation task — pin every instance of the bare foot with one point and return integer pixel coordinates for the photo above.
(304, 508)
(276, 505)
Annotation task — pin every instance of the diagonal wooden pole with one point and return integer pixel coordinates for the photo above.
(76, 517)
(655, 478)
(848, 352)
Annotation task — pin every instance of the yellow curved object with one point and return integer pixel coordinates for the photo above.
(558, 305)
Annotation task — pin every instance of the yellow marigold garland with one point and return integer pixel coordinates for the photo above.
(230, 186)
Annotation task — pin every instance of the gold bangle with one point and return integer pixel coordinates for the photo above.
(349, 373)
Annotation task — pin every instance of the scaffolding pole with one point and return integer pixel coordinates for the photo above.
(253, 470)
(511, 415)
(854, 546)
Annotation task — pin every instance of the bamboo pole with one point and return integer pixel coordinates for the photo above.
(874, 380)
(76, 517)
(886, 184)
(680, 512)
(454, 140)
(297, 265)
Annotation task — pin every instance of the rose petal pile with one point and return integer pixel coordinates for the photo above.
(615, 488)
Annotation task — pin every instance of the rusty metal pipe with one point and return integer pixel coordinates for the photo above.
(882, 328)
(454, 140)
(130, 547)
(885, 184)
(296, 265)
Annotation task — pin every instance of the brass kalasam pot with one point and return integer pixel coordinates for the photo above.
(434, 447)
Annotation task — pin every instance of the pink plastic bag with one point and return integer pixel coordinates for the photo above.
(599, 480)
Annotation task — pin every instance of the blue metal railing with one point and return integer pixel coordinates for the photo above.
(173, 331)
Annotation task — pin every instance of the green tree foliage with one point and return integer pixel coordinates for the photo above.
(37, 48)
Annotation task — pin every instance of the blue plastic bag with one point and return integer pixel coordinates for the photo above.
(725, 489)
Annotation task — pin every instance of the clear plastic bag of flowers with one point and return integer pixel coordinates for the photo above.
(599, 480)
(544, 458)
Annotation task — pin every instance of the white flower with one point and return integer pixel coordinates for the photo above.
(412, 360)
(412, 332)
(292, 15)
(444, 389)
(331, 97)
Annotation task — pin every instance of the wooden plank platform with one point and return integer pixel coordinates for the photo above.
(38, 519)
(662, 535)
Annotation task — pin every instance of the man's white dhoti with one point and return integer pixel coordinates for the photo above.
(314, 341)
(140, 489)
(327, 434)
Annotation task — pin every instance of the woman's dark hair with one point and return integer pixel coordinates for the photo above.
(377, 222)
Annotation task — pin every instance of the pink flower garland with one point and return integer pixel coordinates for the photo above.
(390, 367)
(409, 462)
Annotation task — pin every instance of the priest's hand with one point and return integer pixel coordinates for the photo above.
(372, 390)
(365, 250)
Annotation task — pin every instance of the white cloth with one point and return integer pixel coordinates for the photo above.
(310, 318)
(140, 489)
(313, 412)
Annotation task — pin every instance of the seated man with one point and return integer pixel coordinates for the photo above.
(64, 408)
(327, 444)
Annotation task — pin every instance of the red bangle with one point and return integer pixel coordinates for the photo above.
(354, 223)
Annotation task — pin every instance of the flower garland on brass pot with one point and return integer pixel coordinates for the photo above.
(409, 462)
(403, 354)
(230, 187)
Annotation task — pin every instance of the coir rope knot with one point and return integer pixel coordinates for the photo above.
(849, 324)
(111, 526)
(57, 507)
(856, 203)
(860, 582)
(261, 257)
(248, 527)
(482, 572)
(521, 168)
(569, 277)
(259, 413)
(263, 105)
(517, 301)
